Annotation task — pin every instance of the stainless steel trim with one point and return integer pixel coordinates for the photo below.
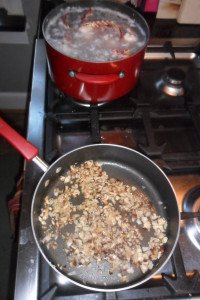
(40, 163)
(164, 55)
(27, 272)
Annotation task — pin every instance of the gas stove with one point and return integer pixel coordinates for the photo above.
(162, 126)
(159, 118)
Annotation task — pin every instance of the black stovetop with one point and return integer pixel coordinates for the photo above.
(164, 128)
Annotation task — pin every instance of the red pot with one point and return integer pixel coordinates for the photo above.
(91, 81)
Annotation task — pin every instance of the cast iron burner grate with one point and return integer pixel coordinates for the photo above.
(179, 285)
(169, 136)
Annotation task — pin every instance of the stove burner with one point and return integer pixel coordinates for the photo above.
(61, 96)
(87, 104)
(173, 82)
(191, 203)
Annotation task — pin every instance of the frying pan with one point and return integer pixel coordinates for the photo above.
(120, 162)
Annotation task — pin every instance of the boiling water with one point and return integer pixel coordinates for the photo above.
(94, 34)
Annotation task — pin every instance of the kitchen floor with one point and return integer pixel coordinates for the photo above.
(11, 168)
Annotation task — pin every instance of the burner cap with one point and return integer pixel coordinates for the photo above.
(175, 76)
(173, 82)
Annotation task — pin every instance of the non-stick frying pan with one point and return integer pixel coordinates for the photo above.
(120, 162)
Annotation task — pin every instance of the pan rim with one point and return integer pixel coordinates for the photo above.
(127, 285)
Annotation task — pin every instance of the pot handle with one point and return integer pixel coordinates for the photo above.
(97, 79)
(29, 151)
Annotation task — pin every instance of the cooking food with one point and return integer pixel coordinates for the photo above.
(94, 34)
(113, 222)
(58, 198)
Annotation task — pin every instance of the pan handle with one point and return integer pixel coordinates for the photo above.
(189, 215)
(97, 79)
(24, 147)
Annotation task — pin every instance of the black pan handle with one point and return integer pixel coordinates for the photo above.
(189, 215)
